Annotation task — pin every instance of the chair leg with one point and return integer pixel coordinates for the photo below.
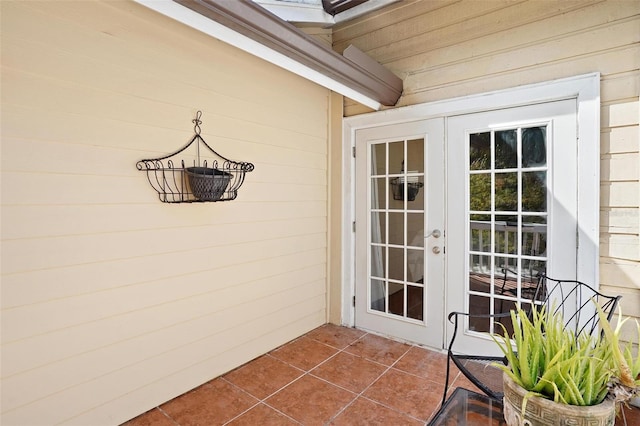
(446, 381)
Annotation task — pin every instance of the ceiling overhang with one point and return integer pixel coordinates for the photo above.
(250, 27)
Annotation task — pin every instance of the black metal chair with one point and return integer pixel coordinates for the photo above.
(573, 299)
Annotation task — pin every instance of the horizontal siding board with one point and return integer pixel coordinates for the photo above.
(620, 167)
(620, 220)
(621, 113)
(619, 194)
(620, 140)
(192, 312)
(621, 246)
(620, 86)
(618, 273)
(30, 221)
(206, 256)
(630, 302)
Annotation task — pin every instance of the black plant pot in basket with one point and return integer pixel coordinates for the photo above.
(207, 184)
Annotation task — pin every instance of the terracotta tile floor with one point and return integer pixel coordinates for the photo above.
(330, 376)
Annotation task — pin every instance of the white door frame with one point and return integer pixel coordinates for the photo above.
(585, 89)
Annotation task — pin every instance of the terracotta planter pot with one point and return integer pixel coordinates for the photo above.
(541, 411)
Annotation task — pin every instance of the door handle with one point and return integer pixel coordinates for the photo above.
(435, 234)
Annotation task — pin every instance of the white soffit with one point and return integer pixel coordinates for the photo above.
(201, 23)
(312, 12)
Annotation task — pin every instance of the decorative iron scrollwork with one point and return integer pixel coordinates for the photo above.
(200, 176)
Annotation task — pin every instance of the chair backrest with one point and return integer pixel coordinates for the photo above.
(574, 300)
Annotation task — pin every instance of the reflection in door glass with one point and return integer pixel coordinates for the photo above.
(534, 147)
(480, 151)
(378, 292)
(506, 149)
(534, 191)
(397, 215)
(379, 159)
(415, 300)
(396, 299)
(507, 214)
(415, 159)
(378, 193)
(396, 228)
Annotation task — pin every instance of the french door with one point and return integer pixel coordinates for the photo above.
(512, 179)
(400, 239)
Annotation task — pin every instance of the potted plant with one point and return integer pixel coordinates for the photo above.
(556, 377)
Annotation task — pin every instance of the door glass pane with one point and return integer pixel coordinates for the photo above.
(415, 266)
(507, 218)
(480, 232)
(534, 235)
(378, 261)
(396, 228)
(397, 217)
(396, 263)
(479, 305)
(506, 234)
(378, 193)
(534, 191)
(506, 155)
(415, 233)
(506, 191)
(378, 227)
(415, 156)
(480, 151)
(396, 193)
(396, 299)
(379, 159)
(396, 157)
(534, 147)
(415, 300)
(378, 292)
(480, 192)
(415, 193)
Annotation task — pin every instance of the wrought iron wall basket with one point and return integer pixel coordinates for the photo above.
(195, 173)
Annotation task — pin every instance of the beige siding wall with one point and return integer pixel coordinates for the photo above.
(444, 49)
(113, 302)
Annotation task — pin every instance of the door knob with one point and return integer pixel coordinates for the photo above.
(435, 234)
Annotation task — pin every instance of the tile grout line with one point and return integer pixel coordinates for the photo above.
(305, 373)
(260, 401)
(308, 373)
(164, 413)
(361, 394)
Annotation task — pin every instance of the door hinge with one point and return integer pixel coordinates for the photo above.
(354, 301)
(353, 226)
(353, 151)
